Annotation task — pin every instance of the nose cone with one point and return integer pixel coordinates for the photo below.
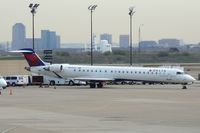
(190, 78)
(3, 83)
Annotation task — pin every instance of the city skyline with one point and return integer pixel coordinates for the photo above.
(48, 40)
(71, 19)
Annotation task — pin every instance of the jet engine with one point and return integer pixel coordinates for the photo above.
(54, 68)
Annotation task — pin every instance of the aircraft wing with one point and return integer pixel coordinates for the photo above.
(93, 79)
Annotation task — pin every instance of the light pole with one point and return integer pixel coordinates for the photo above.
(131, 13)
(33, 8)
(139, 38)
(92, 8)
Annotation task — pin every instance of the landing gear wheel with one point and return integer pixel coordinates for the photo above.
(184, 87)
(52, 83)
(100, 85)
(92, 85)
(71, 83)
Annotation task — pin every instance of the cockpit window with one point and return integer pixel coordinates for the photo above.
(179, 73)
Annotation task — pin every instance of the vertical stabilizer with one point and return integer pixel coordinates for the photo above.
(31, 57)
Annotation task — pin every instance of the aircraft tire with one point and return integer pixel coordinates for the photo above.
(92, 85)
(71, 83)
(100, 85)
(52, 83)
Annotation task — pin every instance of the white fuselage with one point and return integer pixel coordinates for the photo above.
(3, 83)
(115, 73)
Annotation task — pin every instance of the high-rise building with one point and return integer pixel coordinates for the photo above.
(18, 36)
(29, 43)
(45, 37)
(124, 41)
(94, 43)
(53, 40)
(107, 37)
(58, 42)
(49, 40)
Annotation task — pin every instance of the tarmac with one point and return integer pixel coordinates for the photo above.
(112, 109)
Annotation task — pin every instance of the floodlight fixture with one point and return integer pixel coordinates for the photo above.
(92, 7)
(31, 5)
(36, 5)
(131, 8)
(89, 7)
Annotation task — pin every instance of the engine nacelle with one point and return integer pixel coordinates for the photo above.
(55, 68)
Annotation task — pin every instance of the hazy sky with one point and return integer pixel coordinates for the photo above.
(71, 18)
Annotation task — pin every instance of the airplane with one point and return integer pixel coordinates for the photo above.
(97, 75)
(3, 84)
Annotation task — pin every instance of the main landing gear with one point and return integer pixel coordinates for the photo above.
(184, 87)
(99, 85)
(92, 85)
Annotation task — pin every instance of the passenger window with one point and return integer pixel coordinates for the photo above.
(126, 71)
(7, 78)
(13, 78)
(95, 70)
(87, 70)
(91, 70)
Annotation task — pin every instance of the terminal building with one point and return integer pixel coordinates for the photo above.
(170, 42)
(147, 44)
